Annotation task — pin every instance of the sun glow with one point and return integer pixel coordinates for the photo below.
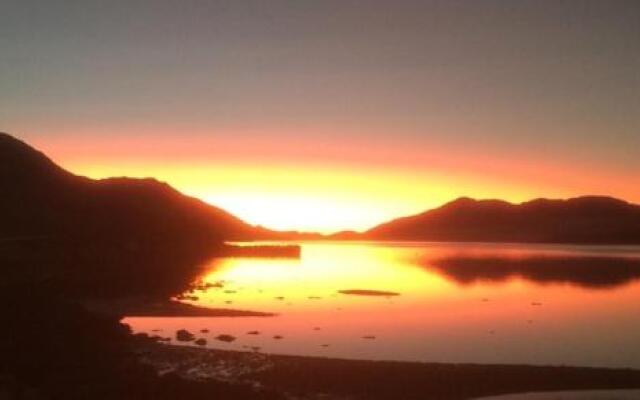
(312, 185)
(320, 273)
(321, 199)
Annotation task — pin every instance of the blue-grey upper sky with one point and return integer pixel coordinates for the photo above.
(543, 80)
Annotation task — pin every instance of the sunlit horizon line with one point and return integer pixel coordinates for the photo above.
(283, 197)
(329, 232)
(348, 152)
(241, 202)
(354, 202)
(325, 197)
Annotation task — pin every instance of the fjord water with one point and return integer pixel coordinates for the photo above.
(461, 303)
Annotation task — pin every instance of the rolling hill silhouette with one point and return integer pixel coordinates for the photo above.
(587, 220)
(40, 199)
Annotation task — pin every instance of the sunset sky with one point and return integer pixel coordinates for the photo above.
(331, 115)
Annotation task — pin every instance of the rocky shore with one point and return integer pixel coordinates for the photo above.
(334, 379)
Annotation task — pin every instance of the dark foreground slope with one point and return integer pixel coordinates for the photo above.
(51, 348)
(107, 237)
(588, 220)
(65, 239)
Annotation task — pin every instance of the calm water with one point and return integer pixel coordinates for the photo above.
(480, 303)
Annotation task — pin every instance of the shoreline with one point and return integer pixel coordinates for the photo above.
(304, 377)
(144, 307)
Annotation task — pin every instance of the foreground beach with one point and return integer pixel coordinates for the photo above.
(324, 378)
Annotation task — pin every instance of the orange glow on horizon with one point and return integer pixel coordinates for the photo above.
(307, 199)
(324, 187)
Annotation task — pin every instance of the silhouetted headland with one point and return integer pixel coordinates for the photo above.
(107, 237)
(585, 220)
(40, 199)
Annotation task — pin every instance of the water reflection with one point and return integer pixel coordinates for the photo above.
(476, 303)
(586, 271)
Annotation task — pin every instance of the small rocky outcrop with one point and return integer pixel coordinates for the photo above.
(184, 335)
(225, 338)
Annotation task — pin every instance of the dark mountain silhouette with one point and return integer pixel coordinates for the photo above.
(588, 220)
(108, 237)
(41, 199)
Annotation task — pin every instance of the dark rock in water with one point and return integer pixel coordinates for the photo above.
(201, 342)
(184, 335)
(317, 328)
(204, 331)
(324, 345)
(226, 338)
(278, 337)
(253, 333)
(279, 298)
(369, 337)
(367, 292)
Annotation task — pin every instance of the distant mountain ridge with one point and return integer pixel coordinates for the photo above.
(585, 220)
(39, 198)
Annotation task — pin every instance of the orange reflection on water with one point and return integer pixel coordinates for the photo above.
(475, 315)
(323, 270)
